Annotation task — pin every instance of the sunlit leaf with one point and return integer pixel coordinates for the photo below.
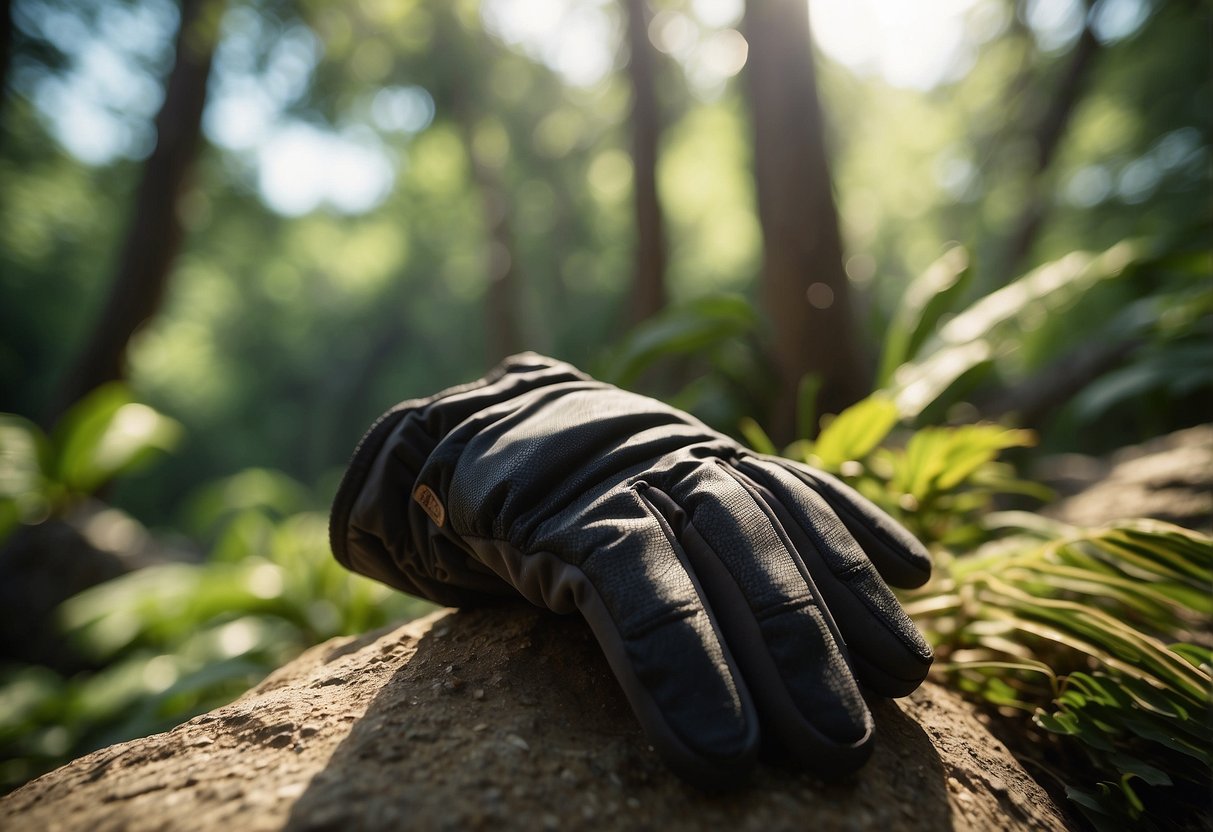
(932, 294)
(756, 437)
(252, 488)
(852, 434)
(107, 433)
(1143, 716)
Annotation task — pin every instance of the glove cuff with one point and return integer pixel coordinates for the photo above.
(411, 431)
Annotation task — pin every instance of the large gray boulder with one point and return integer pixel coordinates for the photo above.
(506, 718)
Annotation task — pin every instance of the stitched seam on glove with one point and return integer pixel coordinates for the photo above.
(815, 537)
(841, 508)
(668, 530)
(790, 605)
(761, 504)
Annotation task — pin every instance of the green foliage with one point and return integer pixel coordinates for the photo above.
(698, 327)
(1147, 301)
(178, 639)
(104, 435)
(1173, 355)
(1084, 631)
(705, 355)
(978, 338)
(406, 276)
(927, 299)
(938, 483)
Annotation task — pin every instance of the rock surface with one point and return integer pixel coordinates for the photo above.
(1168, 478)
(505, 718)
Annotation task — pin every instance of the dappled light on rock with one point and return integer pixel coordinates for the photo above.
(503, 718)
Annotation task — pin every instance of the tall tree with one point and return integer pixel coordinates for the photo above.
(155, 232)
(648, 293)
(503, 302)
(804, 286)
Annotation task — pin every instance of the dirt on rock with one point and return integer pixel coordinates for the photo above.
(504, 718)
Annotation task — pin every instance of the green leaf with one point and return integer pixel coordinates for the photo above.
(755, 436)
(931, 295)
(107, 433)
(1086, 800)
(853, 433)
(982, 334)
(26, 493)
(678, 331)
(919, 385)
(1180, 369)
(1134, 800)
(1056, 723)
(972, 446)
(1194, 653)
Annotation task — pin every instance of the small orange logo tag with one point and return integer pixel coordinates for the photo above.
(429, 501)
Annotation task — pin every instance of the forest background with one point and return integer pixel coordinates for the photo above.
(233, 233)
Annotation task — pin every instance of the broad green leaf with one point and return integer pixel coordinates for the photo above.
(977, 337)
(972, 446)
(1179, 368)
(107, 433)
(1086, 800)
(921, 462)
(1056, 723)
(1070, 275)
(929, 296)
(853, 433)
(680, 330)
(919, 385)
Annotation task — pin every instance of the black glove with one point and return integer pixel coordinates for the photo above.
(726, 588)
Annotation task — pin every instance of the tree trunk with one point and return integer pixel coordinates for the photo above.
(155, 233)
(503, 302)
(648, 286)
(804, 288)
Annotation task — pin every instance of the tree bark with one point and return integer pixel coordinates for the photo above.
(503, 300)
(648, 282)
(155, 233)
(804, 287)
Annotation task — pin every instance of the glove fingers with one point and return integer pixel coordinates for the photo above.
(899, 557)
(646, 611)
(773, 621)
(886, 649)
